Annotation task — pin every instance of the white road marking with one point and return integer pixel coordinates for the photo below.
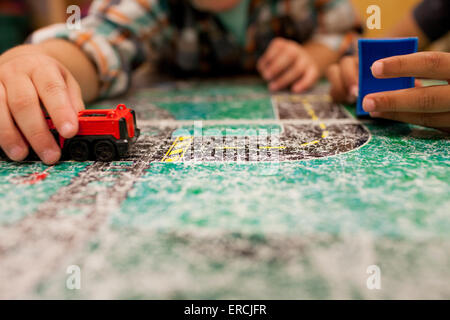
(172, 122)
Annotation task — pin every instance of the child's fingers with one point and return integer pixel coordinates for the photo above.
(349, 73)
(337, 91)
(423, 100)
(433, 120)
(278, 65)
(24, 105)
(53, 92)
(10, 139)
(289, 76)
(272, 51)
(433, 65)
(74, 92)
(307, 81)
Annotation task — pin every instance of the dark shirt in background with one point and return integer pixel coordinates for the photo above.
(14, 23)
(433, 17)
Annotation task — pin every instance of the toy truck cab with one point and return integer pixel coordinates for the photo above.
(103, 135)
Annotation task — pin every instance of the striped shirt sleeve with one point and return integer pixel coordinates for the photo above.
(112, 37)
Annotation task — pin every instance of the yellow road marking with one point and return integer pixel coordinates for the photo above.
(177, 149)
(172, 159)
(229, 148)
(309, 109)
(280, 147)
(265, 147)
(306, 101)
(310, 143)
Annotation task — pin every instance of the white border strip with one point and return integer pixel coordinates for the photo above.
(171, 122)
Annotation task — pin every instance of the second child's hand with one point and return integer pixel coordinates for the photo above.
(427, 106)
(287, 64)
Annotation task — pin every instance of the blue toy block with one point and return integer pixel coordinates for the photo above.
(371, 50)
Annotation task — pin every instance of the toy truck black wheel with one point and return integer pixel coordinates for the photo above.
(104, 151)
(79, 150)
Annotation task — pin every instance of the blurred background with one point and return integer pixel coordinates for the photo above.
(18, 18)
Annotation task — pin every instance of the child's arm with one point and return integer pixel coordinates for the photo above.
(114, 37)
(77, 63)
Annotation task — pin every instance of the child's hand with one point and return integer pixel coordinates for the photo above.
(427, 106)
(27, 77)
(287, 64)
(343, 77)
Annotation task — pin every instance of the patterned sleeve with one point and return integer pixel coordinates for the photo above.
(112, 37)
(338, 24)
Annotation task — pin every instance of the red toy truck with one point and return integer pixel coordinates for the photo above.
(103, 135)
